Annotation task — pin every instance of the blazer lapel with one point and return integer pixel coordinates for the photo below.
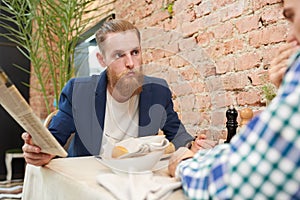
(145, 103)
(100, 100)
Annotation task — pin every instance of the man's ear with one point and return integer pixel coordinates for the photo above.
(100, 59)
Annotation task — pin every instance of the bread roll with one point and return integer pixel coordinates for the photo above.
(170, 148)
(118, 151)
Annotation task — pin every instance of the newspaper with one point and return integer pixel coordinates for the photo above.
(14, 103)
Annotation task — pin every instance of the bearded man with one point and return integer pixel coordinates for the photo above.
(119, 103)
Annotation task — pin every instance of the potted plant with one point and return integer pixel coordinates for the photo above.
(269, 92)
(47, 33)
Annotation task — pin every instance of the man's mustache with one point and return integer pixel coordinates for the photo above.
(125, 72)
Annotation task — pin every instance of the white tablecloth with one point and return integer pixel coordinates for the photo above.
(71, 179)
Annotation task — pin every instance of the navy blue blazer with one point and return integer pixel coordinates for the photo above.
(155, 112)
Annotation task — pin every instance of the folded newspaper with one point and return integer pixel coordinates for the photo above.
(14, 103)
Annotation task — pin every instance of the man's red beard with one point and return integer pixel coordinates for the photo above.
(126, 85)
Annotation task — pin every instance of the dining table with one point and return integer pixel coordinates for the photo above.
(76, 178)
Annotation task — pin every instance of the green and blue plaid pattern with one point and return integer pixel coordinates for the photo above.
(262, 162)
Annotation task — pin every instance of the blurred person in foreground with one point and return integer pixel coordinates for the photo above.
(119, 103)
(282, 59)
(263, 161)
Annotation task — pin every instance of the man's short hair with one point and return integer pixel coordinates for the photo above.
(114, 26)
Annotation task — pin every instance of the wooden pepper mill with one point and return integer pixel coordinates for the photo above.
(246, 115)
(231, 124)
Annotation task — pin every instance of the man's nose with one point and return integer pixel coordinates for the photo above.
(129, 62)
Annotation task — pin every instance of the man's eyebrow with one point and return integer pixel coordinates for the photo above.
(122, 51)
(136, 48)
(117, 51)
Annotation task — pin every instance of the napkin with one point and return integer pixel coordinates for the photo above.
(143, 145)
(145, 186)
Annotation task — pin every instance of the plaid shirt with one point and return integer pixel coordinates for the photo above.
(262, 162)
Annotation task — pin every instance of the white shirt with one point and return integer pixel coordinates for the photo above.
(121, 122)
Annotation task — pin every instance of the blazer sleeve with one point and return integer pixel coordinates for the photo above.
(172, 126)
(62, 124)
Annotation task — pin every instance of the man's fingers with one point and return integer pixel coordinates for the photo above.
(27, 138)
(37, 159)
(284, 52)
(31, 148)
(289, 45)
(201, 136)
(177, 156)
(32, 153)
(206, 144)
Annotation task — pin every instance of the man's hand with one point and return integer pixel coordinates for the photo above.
(33, 154)
(279, 64)
(202, 142)
(179, 155)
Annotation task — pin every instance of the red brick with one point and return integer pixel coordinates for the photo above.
(188, 73)
(158, 54)
(199, 87)
(233, 46)
(144, 11)
(171, 47)
(187, 102)
(181, 16)
(257, 4)
(215, 50)
(233, 10)
(218, 119)
(192, 118)
(187, 43)
(259, 77)
(235, 81)
(224, 65)
(207, 68)
(170, 24)
(248, 61)
(221, 99)
(202, 101)
(204, 8)
(147, 56)
(249, 98)
(272, 15)
(204, 38)
(268, 35)
(152, 68)
(184, 4)
(182, 89)
(214, 84)
(164, 62)
(189, 28)
(211, 20)
(178, 61)
(223, 30)
(221, 3)
(158, 16)
(248, 23)
(173, 75)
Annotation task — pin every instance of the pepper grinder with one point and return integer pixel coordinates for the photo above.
(231, 124)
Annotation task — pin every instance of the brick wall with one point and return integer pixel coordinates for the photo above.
(213, 53)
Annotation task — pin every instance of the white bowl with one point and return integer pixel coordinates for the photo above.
(144, 163)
